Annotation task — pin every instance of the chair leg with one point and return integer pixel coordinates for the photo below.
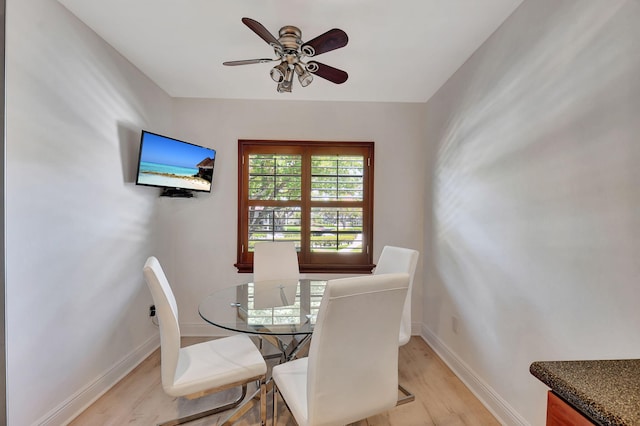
(260, 395)
(208, 413)
(275, 406)
(408, 396)
(263, 403)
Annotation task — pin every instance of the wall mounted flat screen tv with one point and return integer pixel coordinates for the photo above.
(176, 166)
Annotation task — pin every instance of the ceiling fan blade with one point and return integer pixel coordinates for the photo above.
(331, 40)
(249, 61)
(262, 32)
(332, 74)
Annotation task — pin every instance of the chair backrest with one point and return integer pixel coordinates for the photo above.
(167, 313)
(353, 358)
(398, 259)
(275, 261)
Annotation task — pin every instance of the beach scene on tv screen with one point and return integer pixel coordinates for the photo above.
(175, 164)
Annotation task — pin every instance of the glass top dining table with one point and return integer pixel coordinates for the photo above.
(276, 308)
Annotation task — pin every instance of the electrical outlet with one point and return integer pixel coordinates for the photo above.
(152, 310)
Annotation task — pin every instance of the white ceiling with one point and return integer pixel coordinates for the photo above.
(398, 51)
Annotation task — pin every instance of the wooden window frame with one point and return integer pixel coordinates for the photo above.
(309, 262)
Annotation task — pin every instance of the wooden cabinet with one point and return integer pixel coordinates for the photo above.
(559, 413)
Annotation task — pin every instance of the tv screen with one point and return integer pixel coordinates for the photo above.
(176, 165)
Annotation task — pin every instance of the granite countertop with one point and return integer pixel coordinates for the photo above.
(605, 391)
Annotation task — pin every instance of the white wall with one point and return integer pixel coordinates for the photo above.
(77, 228)
(536, 228)
(201, 233)
(528, 226)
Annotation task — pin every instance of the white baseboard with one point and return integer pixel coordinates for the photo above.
(78, 402)
(502, 411)
(75, 404)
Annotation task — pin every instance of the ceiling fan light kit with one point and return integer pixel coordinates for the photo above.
(292, 52)
(279, 72)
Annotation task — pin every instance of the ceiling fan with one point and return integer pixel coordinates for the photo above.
(291, 52)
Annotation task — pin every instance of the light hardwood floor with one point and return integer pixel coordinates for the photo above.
(441, 398)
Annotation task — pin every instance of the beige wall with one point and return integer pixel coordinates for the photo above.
(536, 229)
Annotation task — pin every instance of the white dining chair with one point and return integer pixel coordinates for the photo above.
(203, 368)
(351, 371)
(275, 263)
(400, 259)
(275, 260)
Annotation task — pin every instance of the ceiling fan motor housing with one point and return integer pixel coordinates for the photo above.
(290, 37)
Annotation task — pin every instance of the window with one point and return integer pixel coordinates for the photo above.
(317, 194)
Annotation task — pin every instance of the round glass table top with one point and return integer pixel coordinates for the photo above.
(278, 307)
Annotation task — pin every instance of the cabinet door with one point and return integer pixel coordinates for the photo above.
(559, 413)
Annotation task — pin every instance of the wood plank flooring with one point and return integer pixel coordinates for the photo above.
(441, 398)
